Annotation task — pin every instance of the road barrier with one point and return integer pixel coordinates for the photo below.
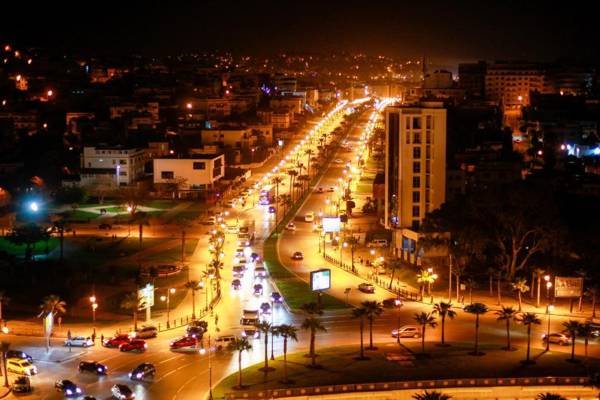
(403, 385)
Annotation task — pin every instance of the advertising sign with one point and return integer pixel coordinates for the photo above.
(320, 280)
(146, 295)
(331, 224)
(568, 286)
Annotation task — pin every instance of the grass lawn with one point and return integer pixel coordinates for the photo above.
(341, 367)
(98, 251)
(160, 204)
(174, 254)
(19, 250)
(79, 215)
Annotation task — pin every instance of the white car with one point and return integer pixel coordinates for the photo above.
(79, 341)
(290, 226)
(309, 217)
(338, 161)
(407, 331)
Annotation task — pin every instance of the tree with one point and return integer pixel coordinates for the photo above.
(4, 299)
(53, 304)
(520, 286)
(60, 224)
(585, 330)
(71, 194)
(549, 396)
(572, 327)
(393, 264)
(265, 327)
(529, 319)
(434, 395)
(471, 283)
(373, 309)
(28, 235)
(132, 302)
(425, 277)
(288, 332)
(592, 293)
(286, 202)
(424, 320)
(4, 347)
(360, 313)
(276, 180)
(293, 174)
(506, 314)
(444, 310)
(313, 324)
(240, 345)
(141, 219)
(193, 286)
(477, 309)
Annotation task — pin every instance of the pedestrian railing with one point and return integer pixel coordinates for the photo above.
(185, 320)
(405, 385)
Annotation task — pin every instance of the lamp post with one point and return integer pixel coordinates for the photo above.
(398, 303)
(167, 298)
(548, 286)
(549, 309)
(94, 307)
(272, 328)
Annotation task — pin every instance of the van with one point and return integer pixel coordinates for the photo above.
(378, 243)
(224, 340)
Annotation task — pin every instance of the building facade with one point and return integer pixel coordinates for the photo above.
(197, 172)
(121, 164)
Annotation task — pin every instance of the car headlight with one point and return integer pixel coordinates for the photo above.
(130, 375)
(78, 390)
(139, 375)
(100, 369)
(244, 333)
(69, 392)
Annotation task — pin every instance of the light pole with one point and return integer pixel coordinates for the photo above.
(202, 351)
(549, 309)
(398, 303)
(272, 328)
(167, 298)
(94, 307)
(548, 286)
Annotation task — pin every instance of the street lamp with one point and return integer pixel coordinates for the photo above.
(548, 286)
(167, 298)
(94, 307)
(398, 304)
(549, 309)
(272, 327)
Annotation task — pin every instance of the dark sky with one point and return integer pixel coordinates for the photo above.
(443, 30)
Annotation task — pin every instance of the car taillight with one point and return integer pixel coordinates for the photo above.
(145, 345)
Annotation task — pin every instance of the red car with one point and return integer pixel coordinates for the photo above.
(135, 344)
(117, 340)
(186, 341)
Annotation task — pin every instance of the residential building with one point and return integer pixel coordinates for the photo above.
(123, 165)
(471, 78)
(230, 136)
(438, 79)
(26, 120)
(135, 109)
(196, 172)
(293, 103)
(510, 83)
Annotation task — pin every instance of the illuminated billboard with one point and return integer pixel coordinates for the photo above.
(320, 280)
(331, 224)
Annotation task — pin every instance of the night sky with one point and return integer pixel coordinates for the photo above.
(443, 30)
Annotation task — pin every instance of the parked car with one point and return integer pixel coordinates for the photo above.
(18, 354)
(21, 385)
(146, 332)
(79, 341)
(407, 331)
(236, 284)
(331, 189)
(68, 388)
(134, 345)
(309, 217)
(239, 252)
(141, 371)
(251, 332)
(276, 297)
(117, 340)
(122, 392)
(186, 341)
(378, 243)
(557, 338)
(21, 367)
(392, 302)
(93, 366)
(258, 289)
(105, 226)
(366, 288)
(229, 204)
(297, 255)
(290, 226)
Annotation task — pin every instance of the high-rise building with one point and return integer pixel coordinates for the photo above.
(510, 83)
(471, 78)
(415, 167)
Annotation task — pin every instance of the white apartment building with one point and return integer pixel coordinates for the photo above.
(511, 83)
(119, 164)
(196, 172)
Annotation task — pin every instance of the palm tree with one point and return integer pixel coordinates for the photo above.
(434, 395)
(471, 284)
(313, 324)
(444, 310)
(293, 174)
(265, 327)
(477, 309)
(520, 286)
(359, 313)
(424, 277)
(53, 304)
(373, 309)
(393, 265)
(424, 319)
(240, 345)
(572, 327)
(308, 152)
(585, 330)
(276, 180)
(286, 202)
(4, 347)
(193, 286)
(132, 302)
(549, 396)
(529, 319)
(288, 332)
(4, 299)
(592, 292)
(506, 314)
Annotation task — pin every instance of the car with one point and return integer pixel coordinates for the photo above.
(229, 204)
(79, 341)
(134, 345)
(231, 228)
(250, 331)
(309, 217)
(210, 221)
(68, 388)
(105, 227)
(338, 161)
(366, 288)
(378, 243)
(272, 210)
(558, 338)
(255, 257)
(89, 398)
(243, 242)
(20, 366)
(122, 392)
(239, 252)
(258, 289)
(93, 366)
(317, 227)
(186, 341)
(320, 190)
(265, 308)
(117, 340)
(147, 332)
(21, 385)
(199, 323)
(141, 371)
(240, 261)
(238, 270)
(260, 272)
(290, 226)
(276, 297)
(391, 302)
(331, 189)
(297, 255)
(18, 354)
(408, 331)
(196, 329)
(595, 327)
(224, 340)
(236, 284)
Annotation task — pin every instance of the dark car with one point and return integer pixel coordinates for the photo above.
(254, 257)
(265, 308)
(392, 302)
(105, 226)
(276, 297)
(134, 345)
(258, 289)
(195, 332)
(272, 210)
(320, 189)
(142, 371)
(19, 354)
(366, 288)
(93, 366)
(122, 392)
(297, 255)
(117, 340)
(68, 388)
(236, 284)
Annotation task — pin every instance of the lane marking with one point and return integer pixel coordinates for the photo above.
(182, 386)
